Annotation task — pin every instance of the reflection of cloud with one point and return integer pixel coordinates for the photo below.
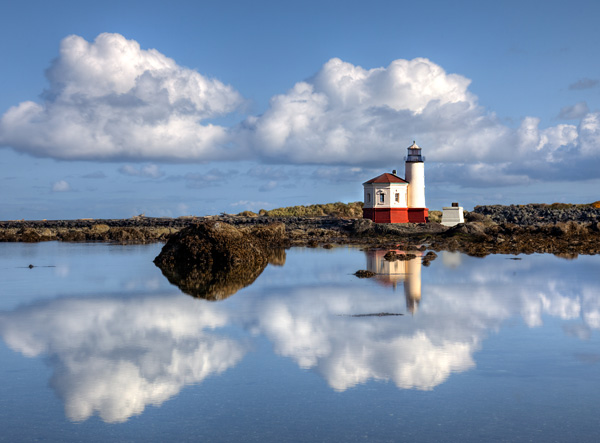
(114, 357)
(315, 328)
(451, 259)
(409, 361)
(62, 270)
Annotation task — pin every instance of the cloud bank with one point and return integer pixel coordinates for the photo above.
(347, 115)
(110, 100)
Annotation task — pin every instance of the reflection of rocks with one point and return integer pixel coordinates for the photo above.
(429, 257)
(394, 256)
(214, 260)
(363, 273)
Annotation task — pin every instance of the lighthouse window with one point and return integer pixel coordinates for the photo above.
(397, 198)
(368, 197)
(381, 198)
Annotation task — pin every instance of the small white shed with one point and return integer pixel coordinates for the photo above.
(453, 215)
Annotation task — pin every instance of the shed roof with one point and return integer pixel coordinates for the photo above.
(386, 178)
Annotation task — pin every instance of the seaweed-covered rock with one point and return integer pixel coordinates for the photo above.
(393, 256)
(363, 273)
(213, 260)
(428, 258)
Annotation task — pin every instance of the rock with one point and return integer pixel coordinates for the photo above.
(393, 256)
(474, 217)
(71, 235)
(531, 214)
(361, 226)
(29, 235)
(428, 258)
(362, 273)
(99, 228)
(213, 260)
(390, 256)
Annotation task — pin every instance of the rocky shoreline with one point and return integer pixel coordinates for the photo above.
(565, 230)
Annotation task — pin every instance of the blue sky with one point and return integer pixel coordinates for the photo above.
(112, 109)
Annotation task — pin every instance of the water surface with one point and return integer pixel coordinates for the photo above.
(96, 345)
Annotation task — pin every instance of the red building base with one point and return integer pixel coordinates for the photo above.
(397, 215)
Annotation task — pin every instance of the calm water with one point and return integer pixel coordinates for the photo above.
(96, 345)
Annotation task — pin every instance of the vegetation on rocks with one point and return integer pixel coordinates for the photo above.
(135, 230)
(343, 210)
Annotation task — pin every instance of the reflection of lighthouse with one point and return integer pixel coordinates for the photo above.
(389, 273)
(412, 284)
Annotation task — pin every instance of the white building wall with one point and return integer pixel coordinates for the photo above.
(368, 198)
(372, 192)
(401, 190)
(385, 191)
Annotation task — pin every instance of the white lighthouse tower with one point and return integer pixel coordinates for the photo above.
(414, 174)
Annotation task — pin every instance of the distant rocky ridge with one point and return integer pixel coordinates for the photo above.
(132, 230)
(536, 214)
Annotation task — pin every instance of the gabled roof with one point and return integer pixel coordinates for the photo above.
(386, 178)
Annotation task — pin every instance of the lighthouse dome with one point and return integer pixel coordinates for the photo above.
(414, 153)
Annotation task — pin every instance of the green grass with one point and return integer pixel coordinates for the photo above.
(344, 210)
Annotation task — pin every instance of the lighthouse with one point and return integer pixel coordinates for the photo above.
(389, 198)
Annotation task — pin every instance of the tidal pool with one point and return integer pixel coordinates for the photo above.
(96, 344)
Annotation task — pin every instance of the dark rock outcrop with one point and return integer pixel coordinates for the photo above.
(508, 238)
(538, 213)
(213, 260)
(428, 258)
(394, 256)
(363, 273)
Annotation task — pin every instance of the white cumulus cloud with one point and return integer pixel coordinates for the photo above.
(111, 100)
(61, 186)
(349, 115)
